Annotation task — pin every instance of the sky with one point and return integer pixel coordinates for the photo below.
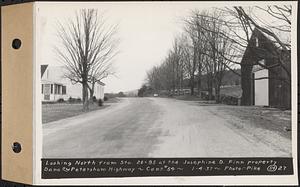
(146, 31)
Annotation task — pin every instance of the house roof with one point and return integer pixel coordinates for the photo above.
(101, 83)
(43, 69)
(56, 74)
(51, 82)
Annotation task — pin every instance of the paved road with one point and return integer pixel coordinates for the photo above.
(158, 127)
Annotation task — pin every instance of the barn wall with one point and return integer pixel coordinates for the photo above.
(279, 89)
(246, 84)
(247, 81)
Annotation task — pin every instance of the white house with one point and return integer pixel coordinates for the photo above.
(55, 86)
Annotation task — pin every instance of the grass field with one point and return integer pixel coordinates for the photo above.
(234, 91)
(54, 112)
(57, 111)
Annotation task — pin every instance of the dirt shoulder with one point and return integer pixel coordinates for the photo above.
(193, 128)
(271, 119)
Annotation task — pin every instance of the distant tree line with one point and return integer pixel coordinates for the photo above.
(112, 95)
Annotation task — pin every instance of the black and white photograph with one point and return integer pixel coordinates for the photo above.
(140, 89)
(149, 93)
(165, 80)
(162, 80)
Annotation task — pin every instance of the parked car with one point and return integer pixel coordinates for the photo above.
(155, 95)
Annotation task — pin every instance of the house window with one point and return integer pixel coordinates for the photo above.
(59, 89)
(42, 88)
(262, 62)
(55, 89)
(64, 90)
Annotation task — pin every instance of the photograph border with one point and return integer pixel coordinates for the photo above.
(210, 180)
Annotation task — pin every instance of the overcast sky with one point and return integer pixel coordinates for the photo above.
(146, 31)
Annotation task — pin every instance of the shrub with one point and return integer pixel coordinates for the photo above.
(71, 100)
(94, 99)
(229, 100)
(100, 102)
(61, 100)
(74, 100)
(105, 98)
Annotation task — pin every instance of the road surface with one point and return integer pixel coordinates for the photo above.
(159, 127)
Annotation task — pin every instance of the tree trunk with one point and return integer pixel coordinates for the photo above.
(85, 96)
(193, 70)
(218, 84)
(193, 77)
(199, 85)
(91, 94)
(199, 78)
(92, 90)
(192, 85)
(174, 90)
(181, 82)
(210, 86)
(217, 93)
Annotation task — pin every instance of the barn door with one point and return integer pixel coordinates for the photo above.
(261, 88)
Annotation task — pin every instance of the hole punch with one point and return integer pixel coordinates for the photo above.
(16, 147)
(16, 43)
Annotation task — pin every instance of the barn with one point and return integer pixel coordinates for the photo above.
(265, 73)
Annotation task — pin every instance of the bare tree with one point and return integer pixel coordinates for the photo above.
(191, 30)
(196, 23)
(154, 78)
(88, 45)
(215, 41)
(221, 64)
(188, 60)
(213, 47)
(280, 13)
(169, 75)
(177, 65)
(240, 23)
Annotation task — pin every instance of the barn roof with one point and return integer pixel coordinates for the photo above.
(267, 47)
